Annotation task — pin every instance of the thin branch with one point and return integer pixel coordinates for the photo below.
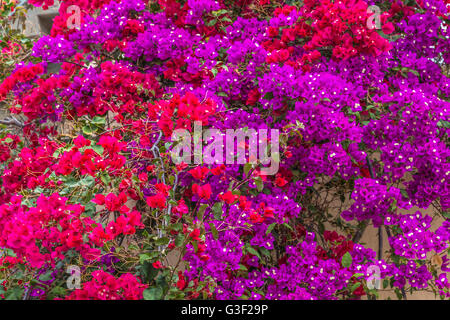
(12, 121)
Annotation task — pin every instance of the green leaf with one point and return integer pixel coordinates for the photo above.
(162, 241)
(443, 124)
(259, 184)
(147, 256)
(214, 231)
(201, 211)
(404, 193)
(161, 282)
(265, 252)
(99, 120)
(148, 271)
(46, 276)
(99, 149)
(288, 226)
(268, 96)
(247, 168)
(90, 209)
(88, 129)
(105, 178)
(242, 267)
(154, 293)
(354, 287)
(58, 292)
(346, 260)
(211, 23)
(270, 228)
(218, 210)
(89, 181)
(14, 294)
(253, 252)
(179, 240)
(177, 226)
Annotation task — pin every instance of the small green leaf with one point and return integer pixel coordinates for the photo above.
(253, 252)
(270, 228)
(162, 241)
(154, 293)
(201, 211)
(268, 96)
(179, 240)
(99, 149)
(218, 210)
(288, 226)
(247, 168)
(89, 181)
(105, 178)
(354, 287)
(14, 294)
(46, 276)
(346, 260)
(259, 184)
(214, 231)
(99, 120)
(88, 129)
(242, 267)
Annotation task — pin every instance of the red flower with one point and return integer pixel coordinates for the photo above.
(199, 173)
(388, 28)
(228, 197)
(81, 142)
(157, 201)
(162, 188)
(204, 192)
(280, 181)
(218, 170)
(181, 208)
(181, 166)
(195, 234)
(253, 97)
(272, 32)
(181, 283)
(99, 199)
(255, 217)
(114, 203)
(143, 177)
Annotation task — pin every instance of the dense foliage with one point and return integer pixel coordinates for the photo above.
(363, 113)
